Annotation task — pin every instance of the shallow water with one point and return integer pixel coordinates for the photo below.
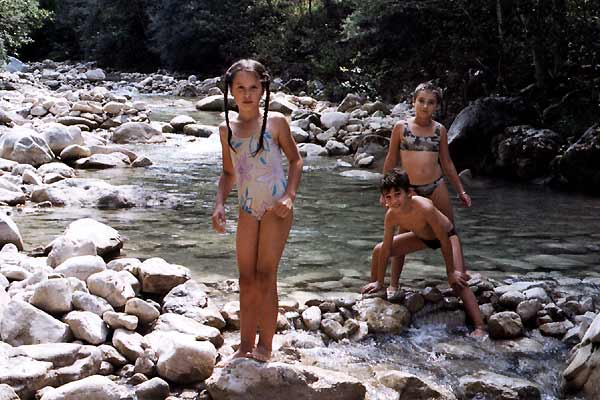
(511, 229)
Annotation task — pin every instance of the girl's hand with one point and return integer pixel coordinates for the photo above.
(218, 219)
(283, 206)
(465, 199)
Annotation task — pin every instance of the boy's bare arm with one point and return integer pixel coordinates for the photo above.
(386, 247)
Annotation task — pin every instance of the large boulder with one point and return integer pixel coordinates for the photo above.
(137, 132)
(87, 193)
(32, 326)
(505, 325)
(59, 136)
(181, 358)
(106, 239)
(159, 277)
(31, 367)
(111, 286)
(53, 296)
(412, 387)
(486, 384)
(190, 299)
(383, 317)
(246, 379)
(25, 146)
(63, 248)
(95, 387)
(474, 127)
(214, 103)
(525, 152)
(579, 166)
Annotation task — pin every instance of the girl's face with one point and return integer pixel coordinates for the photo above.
(425, 103)
(246, 90)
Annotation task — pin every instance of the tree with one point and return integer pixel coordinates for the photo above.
(18, 18)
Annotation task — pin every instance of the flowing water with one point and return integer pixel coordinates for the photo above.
(510, 229)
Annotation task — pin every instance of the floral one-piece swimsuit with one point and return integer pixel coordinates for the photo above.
(260, 178)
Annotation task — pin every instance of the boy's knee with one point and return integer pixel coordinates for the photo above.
(377, 249)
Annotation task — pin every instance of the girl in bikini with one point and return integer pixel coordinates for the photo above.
(251, 145)
(420, 145)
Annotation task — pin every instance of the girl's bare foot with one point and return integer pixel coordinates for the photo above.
(238, 354)
(261, 354)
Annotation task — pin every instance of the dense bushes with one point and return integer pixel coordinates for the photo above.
(18, 18)
(472, 48)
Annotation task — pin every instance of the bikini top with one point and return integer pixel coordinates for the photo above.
(412, 142)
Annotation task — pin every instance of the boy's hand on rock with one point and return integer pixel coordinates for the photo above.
(458, 278)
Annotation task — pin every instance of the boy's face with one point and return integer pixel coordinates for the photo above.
(395, 198)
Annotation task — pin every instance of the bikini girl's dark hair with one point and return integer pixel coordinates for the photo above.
(430, 87)
(265, 81)
(395, 179)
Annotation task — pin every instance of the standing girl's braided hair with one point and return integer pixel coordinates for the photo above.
(265, 80)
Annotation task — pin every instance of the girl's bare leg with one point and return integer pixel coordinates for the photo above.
(273, 234)
(441, 200)
(247, 251)
(465, 293)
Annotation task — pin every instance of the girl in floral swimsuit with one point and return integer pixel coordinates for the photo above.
(420, 145)
(251, 145)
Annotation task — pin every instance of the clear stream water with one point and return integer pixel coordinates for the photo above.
(511, 229)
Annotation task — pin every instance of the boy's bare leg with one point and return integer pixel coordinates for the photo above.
(246, 251)
(273, 234)
(465, 293)
(403, 244)
(397, 265)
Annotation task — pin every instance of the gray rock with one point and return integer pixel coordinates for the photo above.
(59, 136)
(81, 267)
(312, 150)
(412, 387)
(128, 343)
(505, 325)
(96, 74)
(158, 276)
(178, 323)
(89, 302)
(106, 239)
(214, 103)
(7, 393)
(74, 152)
(334, 119)
(91, 388)
(231, 313)
(528, 309)
(312, 318)
(485, 383)
(110, 286)
(53, 296)
(137, 132)
(87, 326)
(383, 317)
(335, 148)
(154, 389)
(510, 300)
(199, 130)
(32, 327)
(25, 146)
(102, 161)
(180, 121)
(144, 311)
(181, 358)
(118, 320)
(249, 380)
(9, 232)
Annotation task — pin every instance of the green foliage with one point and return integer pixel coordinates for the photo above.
(18, 18)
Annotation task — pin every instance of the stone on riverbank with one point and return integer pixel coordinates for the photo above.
(32, 326)
(9, 232)
(137, 132)
(383, 317)
(246, 379)
(412, 387)
(25, 146)
(486, 383)
(106, 239)
(158, 276)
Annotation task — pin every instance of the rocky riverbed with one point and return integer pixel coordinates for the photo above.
(78, 317)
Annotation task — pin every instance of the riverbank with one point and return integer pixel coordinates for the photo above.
(305, 272)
